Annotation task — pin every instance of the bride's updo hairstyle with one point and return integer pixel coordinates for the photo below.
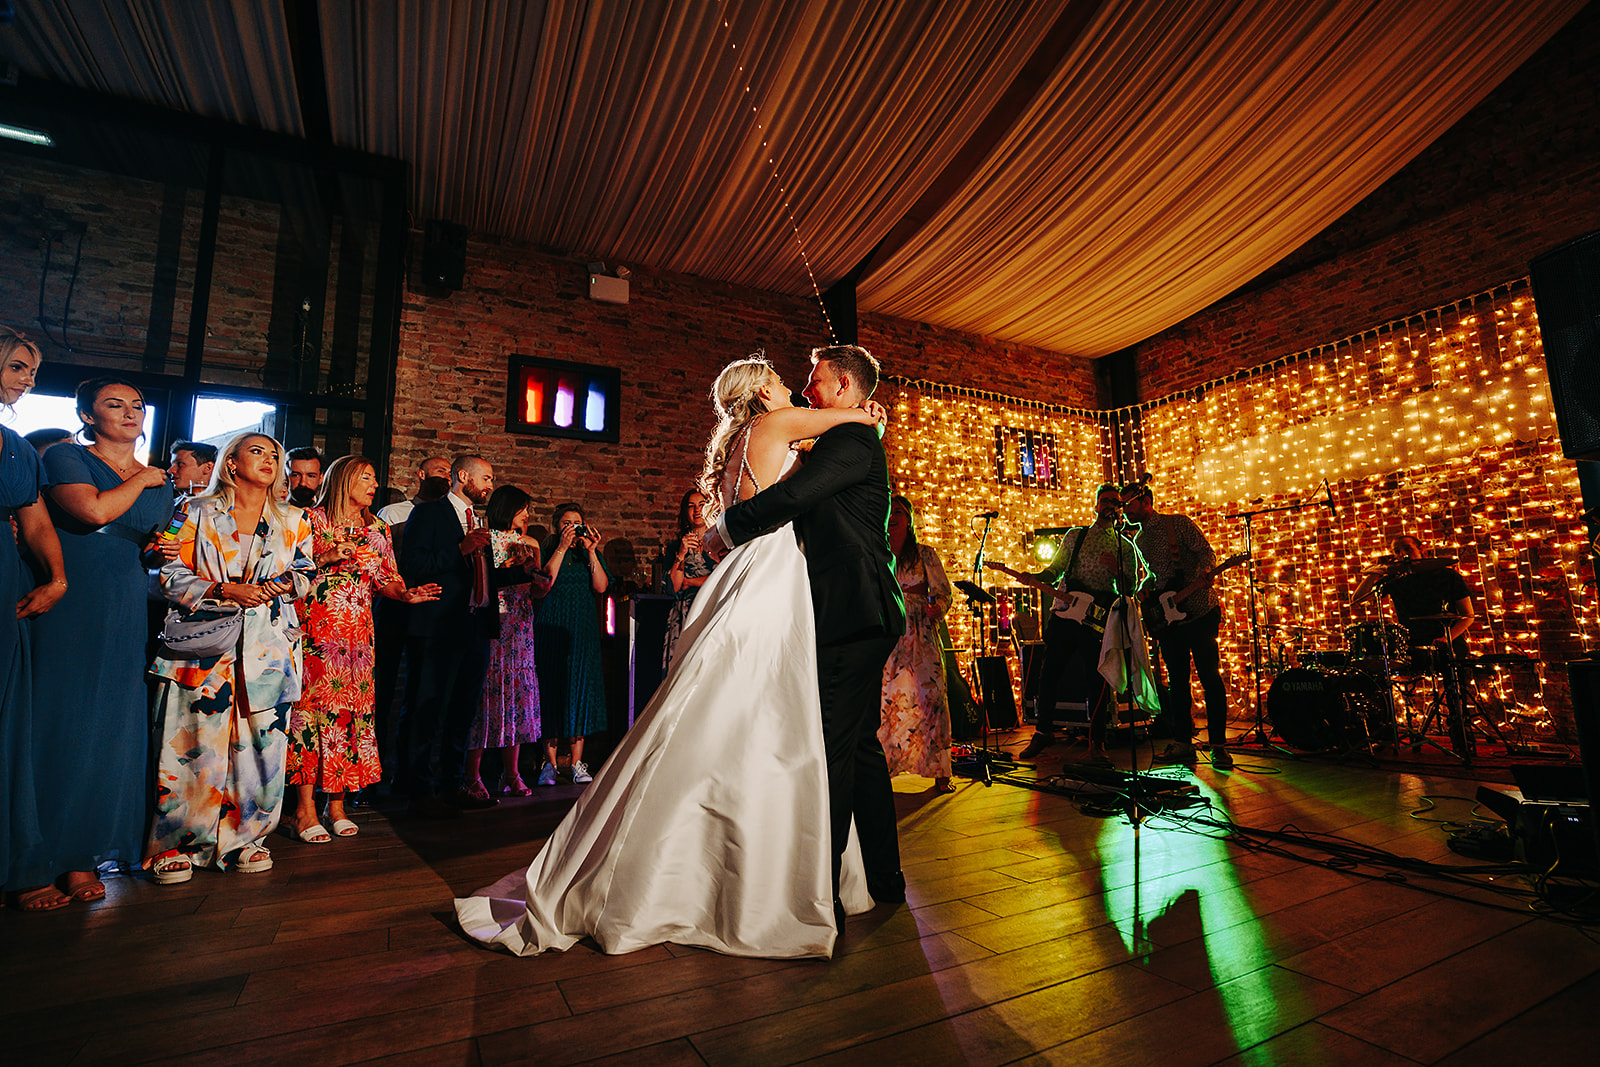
(737, 397)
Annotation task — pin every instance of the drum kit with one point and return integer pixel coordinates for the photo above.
(1344, 699)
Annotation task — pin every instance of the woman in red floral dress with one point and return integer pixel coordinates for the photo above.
(333, 746)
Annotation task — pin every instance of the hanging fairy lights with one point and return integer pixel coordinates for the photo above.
(1439, 425)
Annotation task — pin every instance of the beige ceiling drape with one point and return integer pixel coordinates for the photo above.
(1179, 148)
(1184, 148)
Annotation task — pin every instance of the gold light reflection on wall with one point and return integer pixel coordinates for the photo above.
(1440, 426)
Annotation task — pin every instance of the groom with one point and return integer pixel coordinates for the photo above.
(839, 504)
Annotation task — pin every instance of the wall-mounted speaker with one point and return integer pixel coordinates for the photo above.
(444, 254)
(1566, 292)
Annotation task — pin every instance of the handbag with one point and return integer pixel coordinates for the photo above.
(211, 628)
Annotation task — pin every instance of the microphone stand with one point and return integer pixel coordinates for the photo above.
(984, 761)
(1255, 623)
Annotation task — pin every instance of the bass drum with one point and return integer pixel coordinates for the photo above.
(1316, 710)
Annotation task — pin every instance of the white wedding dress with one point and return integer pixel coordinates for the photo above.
(708, 825)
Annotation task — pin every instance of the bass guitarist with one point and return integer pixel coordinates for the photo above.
(1099, 561)
(1178, 553)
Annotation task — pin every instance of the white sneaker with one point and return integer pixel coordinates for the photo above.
(580, 773)
(547, 775)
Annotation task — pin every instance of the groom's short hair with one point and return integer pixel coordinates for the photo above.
(854, 362)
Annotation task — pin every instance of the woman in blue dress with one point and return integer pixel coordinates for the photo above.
(90, 757)
(572, 693)
(22, 509)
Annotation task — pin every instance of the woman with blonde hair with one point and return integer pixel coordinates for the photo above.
(219, 786)
(333, 743)
(709, 824)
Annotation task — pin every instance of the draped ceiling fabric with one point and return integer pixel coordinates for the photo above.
(1172, 151)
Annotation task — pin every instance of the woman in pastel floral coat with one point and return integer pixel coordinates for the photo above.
(219, 787)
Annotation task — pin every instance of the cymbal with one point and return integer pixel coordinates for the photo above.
(1445, 616)
(976, 592)
(1502, 659)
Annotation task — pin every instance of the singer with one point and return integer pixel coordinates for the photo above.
(1098, 560)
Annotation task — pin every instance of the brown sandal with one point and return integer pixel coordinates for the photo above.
(41, 898)
(87, 892)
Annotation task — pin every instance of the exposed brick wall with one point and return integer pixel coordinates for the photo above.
(669, 341)
(1518, 175)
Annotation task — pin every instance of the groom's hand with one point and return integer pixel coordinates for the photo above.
(711, 543)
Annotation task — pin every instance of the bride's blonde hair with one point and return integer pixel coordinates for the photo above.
(736, 395)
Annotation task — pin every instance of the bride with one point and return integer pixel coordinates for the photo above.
(708, 826)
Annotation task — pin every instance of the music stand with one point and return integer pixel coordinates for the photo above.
(985, 760)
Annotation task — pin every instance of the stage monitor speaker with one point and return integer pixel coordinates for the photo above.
(994, 678)
(1566, 292)
(1584, 675)
(444, 255)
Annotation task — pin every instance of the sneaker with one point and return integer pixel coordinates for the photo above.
(580, 773)
(547, 774)
(1220, 760)
(1177, 752)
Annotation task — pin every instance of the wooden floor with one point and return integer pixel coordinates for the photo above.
(1035, 933)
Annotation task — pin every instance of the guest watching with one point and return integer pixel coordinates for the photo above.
(571, 690)
(915, 731)
(391, 644)
(219, 785)
(43, 439)
(23, 508)
(89, 652)
(445, 543)
(689, 569)
(508, 717)
(333, 746)
(305, 475)
(192, 462)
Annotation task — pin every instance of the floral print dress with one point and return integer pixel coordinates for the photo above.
(915, 731)
(219, 783)
(333, 739)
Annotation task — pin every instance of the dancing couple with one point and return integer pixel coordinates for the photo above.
(728, 817)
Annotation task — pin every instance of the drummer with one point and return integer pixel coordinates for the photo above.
(1426, 590)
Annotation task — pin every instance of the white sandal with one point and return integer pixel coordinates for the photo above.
(172, 869)
(253, 859)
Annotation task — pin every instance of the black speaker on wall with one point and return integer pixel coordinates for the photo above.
(1566, 292)
(444, 254)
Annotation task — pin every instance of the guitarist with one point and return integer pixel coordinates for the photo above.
(1095, 559)
(1177, 553)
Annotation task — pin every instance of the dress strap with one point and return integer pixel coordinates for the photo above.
(744, 462)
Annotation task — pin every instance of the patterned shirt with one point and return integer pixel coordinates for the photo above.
(1091, 571)
(1195, 557)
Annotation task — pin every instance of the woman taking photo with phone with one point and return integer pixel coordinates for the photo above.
(572, 694)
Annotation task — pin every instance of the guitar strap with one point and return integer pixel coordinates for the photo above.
(1172, 550)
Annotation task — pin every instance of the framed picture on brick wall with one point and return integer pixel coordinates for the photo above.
(559, 399)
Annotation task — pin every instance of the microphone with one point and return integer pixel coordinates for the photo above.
(988, 515)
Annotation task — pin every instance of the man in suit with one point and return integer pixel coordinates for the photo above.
(447, 544)
(839, 504)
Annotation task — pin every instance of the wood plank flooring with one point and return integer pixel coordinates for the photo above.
(1034, 933)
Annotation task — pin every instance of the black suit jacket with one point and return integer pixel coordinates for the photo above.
(432, 553)
(839, 504)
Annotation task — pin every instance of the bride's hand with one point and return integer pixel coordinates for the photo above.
(711, 543)
(875, 411)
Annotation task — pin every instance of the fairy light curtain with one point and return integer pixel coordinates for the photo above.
(1440, 426)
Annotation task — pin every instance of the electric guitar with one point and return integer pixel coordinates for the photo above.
(1081, 605)
(1163, 611)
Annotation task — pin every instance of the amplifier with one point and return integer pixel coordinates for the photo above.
(1555, 836)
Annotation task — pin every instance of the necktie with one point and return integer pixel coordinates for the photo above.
(480, 569)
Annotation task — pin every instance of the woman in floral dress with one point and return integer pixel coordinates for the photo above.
(333, 743)
(915, 732)
(219, 784)
(508, 717)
